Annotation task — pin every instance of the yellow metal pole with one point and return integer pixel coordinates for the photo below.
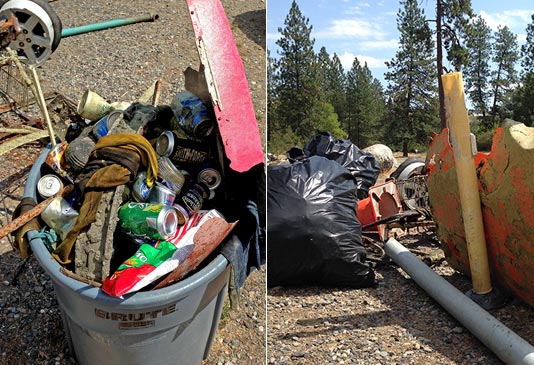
(460, 139)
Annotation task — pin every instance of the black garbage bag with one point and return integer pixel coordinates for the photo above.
(361, 164)
(314, 236)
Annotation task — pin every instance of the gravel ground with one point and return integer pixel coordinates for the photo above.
(394, 323)
(120, 64)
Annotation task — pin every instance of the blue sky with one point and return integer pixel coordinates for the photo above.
(368, 29)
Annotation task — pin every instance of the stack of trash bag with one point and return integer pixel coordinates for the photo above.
(361, 164)
(314, 233)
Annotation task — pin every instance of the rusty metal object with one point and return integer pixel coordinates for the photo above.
(9, 30)
(33, 213)
(507, 199)
(383, 202)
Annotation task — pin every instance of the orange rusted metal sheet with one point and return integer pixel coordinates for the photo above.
(507, 198)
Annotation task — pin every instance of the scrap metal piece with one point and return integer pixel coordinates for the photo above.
(507, 198)
(9, 30)
(225, 75)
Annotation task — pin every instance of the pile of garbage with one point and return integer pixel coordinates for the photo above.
(314, 233)
(134, 193)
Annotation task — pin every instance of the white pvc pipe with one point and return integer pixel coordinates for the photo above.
(504, 343)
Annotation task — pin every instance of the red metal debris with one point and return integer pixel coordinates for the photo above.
(227, 84)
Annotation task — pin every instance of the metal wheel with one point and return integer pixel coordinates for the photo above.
(40, 29)
(408, 168)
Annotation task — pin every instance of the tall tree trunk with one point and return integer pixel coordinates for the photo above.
(495, 95)
(440, 66)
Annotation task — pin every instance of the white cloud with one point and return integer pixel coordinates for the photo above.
(342, 28)
(273, 36)
(511, 18)
(378, 44)
(372, 62)
(354, 10)
(521, 38)
(347, 59)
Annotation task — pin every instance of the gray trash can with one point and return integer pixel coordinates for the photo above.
(172, 325)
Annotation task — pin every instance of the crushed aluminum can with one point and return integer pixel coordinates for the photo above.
(103, 126)
(171, 176)
(140, 189)
(49, 185)
(60, 216)
(192, 115)
(160, 194)
(155, 221)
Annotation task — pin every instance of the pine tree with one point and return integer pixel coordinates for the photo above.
(452, 28)
(504, 77)
(477, 72)
(301, 100)
(273, 126)
(411, 81)
(339, 84)
(527, 49)
(522, 104)
(353, 118)
(332, 80)
(365, 105)
(456, 30)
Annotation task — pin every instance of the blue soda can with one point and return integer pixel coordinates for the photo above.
(102, 127)
(140, 190)
(192, 115)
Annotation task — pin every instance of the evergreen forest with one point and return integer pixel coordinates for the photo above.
(310, 91)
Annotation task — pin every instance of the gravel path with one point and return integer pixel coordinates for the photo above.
(120, 64)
